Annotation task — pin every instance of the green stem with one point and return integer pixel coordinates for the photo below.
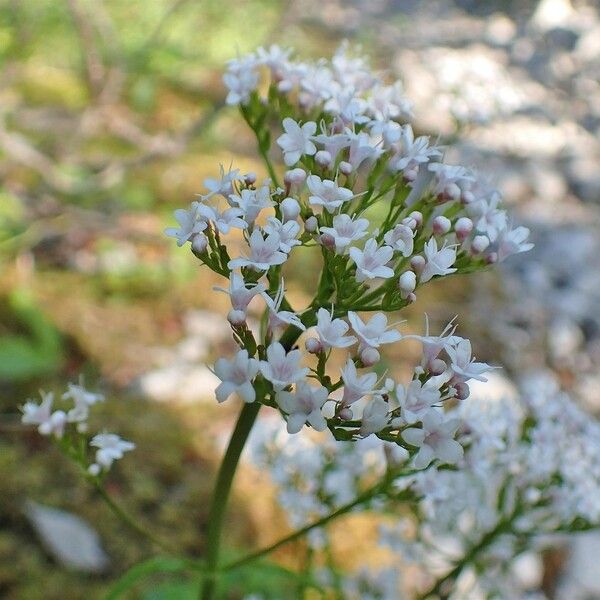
(361, 499)
(130, 522)
(221, 493)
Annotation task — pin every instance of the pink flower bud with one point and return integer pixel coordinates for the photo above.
(311, 224)
(199, 243)
(290, 209)
(313, 345)
(410, 223)
(467, 197)
(328, 240)
(250, 178)
(463, 228)
(236, 317)
(410, 175)
(345, 414)
(437, 366)
(461, 390)
(441, 225)
(295, 177)
(369, 357)
(417, 216)
(491, 258)
(345, 168)
(417, 264)
(323, 158)
(479, 244)
(411, 298)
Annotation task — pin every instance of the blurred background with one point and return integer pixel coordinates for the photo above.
(112, 114)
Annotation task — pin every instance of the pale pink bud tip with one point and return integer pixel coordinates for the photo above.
(327, 240)
(311, 224)
(323, 158)
(345, 168)
(418, 264)
(369, 357)
(295, 177)
(345, 414)
(250, 179)
(407, 282)
(479, 244)
(199, 243)
(290, 209)
(236, 317)
(461, 390)
(463, 228)
(437, 366)
(417, 216)
(313, 345)
(441, 225)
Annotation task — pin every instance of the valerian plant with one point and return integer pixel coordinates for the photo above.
(386, 215)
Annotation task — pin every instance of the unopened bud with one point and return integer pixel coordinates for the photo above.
(407, 282)
(94, 470)
(290, 209)
(417, 216)
(294, 177)
(417, 264)
(236, 317)
(323, 158)
(410, 175)
(369, 357)
(467, 197)
(199, 243)
(437, 366)
(461, 390)
(491, 258)
(345, 168)
(479, 244)
(328, 240)
(346, 414)
(441, 225)
(452, 191)
(250, 178)
(411, 298)
(463, 228)
(410, 223)
(313, 345)
(311, 224)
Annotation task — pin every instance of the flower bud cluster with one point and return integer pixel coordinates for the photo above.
(68, 424)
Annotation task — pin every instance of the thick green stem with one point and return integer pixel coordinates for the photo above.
(221, 493)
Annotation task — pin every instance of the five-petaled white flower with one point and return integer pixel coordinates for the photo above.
(463, 365)
(241, 79)
(225, 221)
(437, 262)
(82, 400)
(296, 141)
(287, 232)
(435, 440)
(332, 332)
(417, 399)
(281, 368)
(371, 261)
(251, 202)
(345, 230)
(239, 294)
(110, 448)
(189, 224)
(327, 193)
(304, 406)
(222, 186)
(264, 253)
(355, 386)
(374, 332)
(401, 239)
(236, 376)
(48, 422)
(513, 241)
(375, 416)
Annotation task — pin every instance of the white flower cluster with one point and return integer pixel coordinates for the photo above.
(350, 154)
(71, 422)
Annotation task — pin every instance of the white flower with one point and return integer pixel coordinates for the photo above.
(417, 399)
(332, 143)
(371, 261)
(224, 221)
(437, 262)
(236, 376)
(239, 294)
(241, 79)
(327, 193)
(82, 400)
(374, 332)
(375, 416)
(449, 180)
(434, 344)
(282, 369)
(486, 216)
(435, 440)
(463, 366)
(251, 202)
(189, 224)
(401, 239)
(287, 232)
(296, 141)
(332, 332)
(513, 241)
(362, 149)
(410, 152)
(345, 231)
(264, 253)
(275, 57)
(110, 448)
(304, 406)
(277, 317)
(356, 387)
(346, 105)
(223, 185)
(48, 422)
